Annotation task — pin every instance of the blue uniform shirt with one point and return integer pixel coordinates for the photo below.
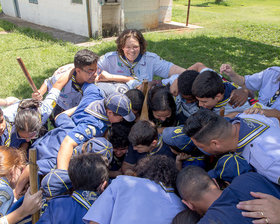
(267, 83)
(135, 200)
(68, 209)
(90, 116)
(224, 210)
(133, 156)
(10, 137)
(6, 196)
(149, 65)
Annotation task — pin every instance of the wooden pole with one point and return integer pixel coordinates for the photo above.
(144, 113)
(188, 13)
(33, 178)
(27, 75)
(89, 20)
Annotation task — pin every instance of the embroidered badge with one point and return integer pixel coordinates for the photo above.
(53, 104)
(87, 131)
(178, 130)
(93, 130)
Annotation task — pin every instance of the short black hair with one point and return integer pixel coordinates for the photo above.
(1, 112)
(118, 135)
(186, 216)
(207, 85)
(192, 182)
(84, 58)
(137, 99)
(205, 125)
(143, 133)
(87, 171)
(185, 81)
(158, 168)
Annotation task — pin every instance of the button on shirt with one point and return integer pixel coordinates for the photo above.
(267, 83)
(149, 65)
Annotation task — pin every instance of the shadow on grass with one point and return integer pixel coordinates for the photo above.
(32, 33)
(247, 57)
(208, 4)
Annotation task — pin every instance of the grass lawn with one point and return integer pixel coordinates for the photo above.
(244, 33)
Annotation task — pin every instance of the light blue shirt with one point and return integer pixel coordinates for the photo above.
(6, 196)
(149, 65)
(262, 145)
(267, 83)
(134, 200)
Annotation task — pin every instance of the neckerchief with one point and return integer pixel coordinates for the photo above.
(249, 130)
(5, 181)
(129, 65)
(85, 198)
(166, 188)
(158, 147)
(76, 85)
(9, 129)
(273, 99)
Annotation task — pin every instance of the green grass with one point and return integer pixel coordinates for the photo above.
(243, 33)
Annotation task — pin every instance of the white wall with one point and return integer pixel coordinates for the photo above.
(8, 7)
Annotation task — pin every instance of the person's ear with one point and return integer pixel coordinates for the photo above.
(219, 97)
(102, 186)
(154, 143)
(216, 183)
(109, 112)
(214, 143)
(189, 204)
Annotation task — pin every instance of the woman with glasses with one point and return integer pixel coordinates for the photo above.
(131, 63)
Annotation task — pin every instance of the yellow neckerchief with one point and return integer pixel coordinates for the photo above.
(9, 128)
(76, 86)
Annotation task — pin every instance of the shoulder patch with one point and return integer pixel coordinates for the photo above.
(93, 130)
(5, 194)
(178, 130)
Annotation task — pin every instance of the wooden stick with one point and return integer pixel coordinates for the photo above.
(222, 112)
(144, 113)
(27, 75)
(188, 13)
(33, 177)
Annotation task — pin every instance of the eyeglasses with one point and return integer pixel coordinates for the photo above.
(28, 135)
(89, 72)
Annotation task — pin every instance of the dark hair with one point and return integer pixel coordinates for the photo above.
(158, 168)
(143, 133)
(137, 99)
(205, 125)
(186, 216)
(118, 135)
(185, 81)
(87, 171)
(84, 58)
(28, 117)
(128, 34)
(1, 112)
(160, 99)
(207, 85)
(192, 182)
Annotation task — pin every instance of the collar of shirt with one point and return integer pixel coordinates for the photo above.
(228, 89)
(158, 147)
(85, 198)
(249, 130)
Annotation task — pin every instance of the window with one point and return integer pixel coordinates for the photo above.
(33, 1)
(77, 1)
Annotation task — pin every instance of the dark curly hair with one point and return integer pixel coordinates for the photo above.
(119, 135)
(128, 34)
(158, 168)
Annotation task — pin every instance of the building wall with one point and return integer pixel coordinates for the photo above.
(71, 17)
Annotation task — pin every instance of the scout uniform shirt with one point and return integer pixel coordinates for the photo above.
(10, 137)
(6, 196)
(135, 200)
(259, 144)
(267, 83)
(68, 209)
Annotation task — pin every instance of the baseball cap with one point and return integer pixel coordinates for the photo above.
(120, 104)
(230, 166)
(56, 183)
(174, 136)
(98, 145)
